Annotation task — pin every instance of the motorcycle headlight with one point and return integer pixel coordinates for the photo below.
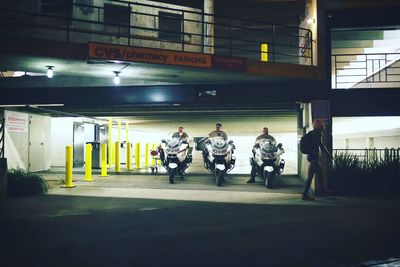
(170, 150)
(219, 151)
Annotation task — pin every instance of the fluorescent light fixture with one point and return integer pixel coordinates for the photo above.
(31, 105)
(117, 79)
(50, 72)
(19, 73)
(12, 106)
(46, 105)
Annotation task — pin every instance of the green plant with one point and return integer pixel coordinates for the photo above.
(24, 183)
(352, 175)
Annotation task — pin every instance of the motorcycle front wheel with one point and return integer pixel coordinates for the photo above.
(172, 173)
(268, 176)
(253, 172)
(219, 177)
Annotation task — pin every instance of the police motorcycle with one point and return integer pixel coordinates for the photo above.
(218, 157)
(175, 156)
(266, 161)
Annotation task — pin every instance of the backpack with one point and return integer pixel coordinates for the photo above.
(307, 143)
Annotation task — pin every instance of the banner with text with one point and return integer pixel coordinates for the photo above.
(147, 55)
(229, 63)
(16, 122)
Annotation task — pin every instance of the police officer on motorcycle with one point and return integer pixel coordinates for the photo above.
(181, 134)
(218, 132)
(184, 137)
(264, 135)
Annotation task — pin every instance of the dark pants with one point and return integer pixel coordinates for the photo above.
(313, 169)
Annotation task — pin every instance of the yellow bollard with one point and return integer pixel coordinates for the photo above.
(264, 52)
(68, 167)
(153, 147)
(113, 154)
(88, 163)
(110, 158)
(128, 156)
(146, 160)
(117, 158)
(137, 155)
(103, 160)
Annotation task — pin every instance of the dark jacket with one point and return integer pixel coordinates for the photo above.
(317, 144)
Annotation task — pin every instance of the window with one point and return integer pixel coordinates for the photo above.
(117, 18)
(170, 26)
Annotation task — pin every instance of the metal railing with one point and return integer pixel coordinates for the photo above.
(369, 155)
(365, 70)
(198, 32)
(2, 140)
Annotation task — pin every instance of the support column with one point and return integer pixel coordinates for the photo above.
(309, 22)
(370, 142)
(321, 110)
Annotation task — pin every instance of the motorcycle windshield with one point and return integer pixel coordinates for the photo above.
(268, 148)
(219, 145)
(172, 143)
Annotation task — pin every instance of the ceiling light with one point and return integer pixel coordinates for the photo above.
(50, 72)
(310, 21)
(117, 78)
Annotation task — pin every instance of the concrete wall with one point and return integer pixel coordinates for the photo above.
(61, 136)
(311, 13)
(147, 19)
(307, 126)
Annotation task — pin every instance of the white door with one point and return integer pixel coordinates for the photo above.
(39, 143)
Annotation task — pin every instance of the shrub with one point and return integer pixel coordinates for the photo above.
(350, 175)
(24, 183)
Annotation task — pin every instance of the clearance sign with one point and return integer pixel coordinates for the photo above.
(147, 55)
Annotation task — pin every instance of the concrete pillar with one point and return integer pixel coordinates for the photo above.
(208, 28)
(370, 142)
(320, 109)
(310, 21)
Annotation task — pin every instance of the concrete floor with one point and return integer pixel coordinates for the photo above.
(141, 220)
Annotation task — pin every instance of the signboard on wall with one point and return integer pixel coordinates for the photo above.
(229, 63)
(148, 55)
(16, 122)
